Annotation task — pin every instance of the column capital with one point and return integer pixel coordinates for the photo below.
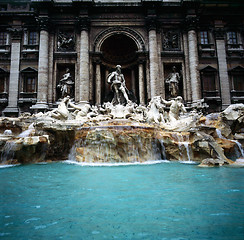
(16, 32)
(141, 57)
(43, 22)
(191, 23)
(151, 22)
(96, 57)
(219, 33)
(84, 23)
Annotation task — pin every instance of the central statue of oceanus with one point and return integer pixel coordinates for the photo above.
(117, 81)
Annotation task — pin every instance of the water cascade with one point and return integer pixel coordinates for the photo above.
(122, 134)
(241, 150)
(116, 143)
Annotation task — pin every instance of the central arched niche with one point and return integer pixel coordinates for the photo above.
(119, 49)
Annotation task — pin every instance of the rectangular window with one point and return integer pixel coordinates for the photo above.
(32, 38)
(238, 81)
(29, 84)
(204, 37)
(208, 82)
(3, 38)
(2, 82)
(232, 38)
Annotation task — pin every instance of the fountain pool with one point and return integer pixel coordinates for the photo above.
(168, 200)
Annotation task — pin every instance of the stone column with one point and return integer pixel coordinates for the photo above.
(98, 82)
(141, 83)
(193, 59)
(133, 81)
(187, 72)
(51, 88)
(42, 87)
(12, 108)
(223, 72)
(153, 55)
(84, 59)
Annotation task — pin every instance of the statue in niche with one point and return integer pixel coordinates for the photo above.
(66, 41)
(117, 81)
(66, 84)
(173, 81)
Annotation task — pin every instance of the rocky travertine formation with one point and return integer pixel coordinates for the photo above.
(131, 133)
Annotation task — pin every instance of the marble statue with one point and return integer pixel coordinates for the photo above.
(61, 112)
(117, 81)
(176, 107)
(173, 80)
(155, 110)
(66, 84)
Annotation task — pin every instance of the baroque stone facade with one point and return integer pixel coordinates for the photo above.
(41, 39)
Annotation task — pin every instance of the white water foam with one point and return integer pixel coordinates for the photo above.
(114, 164)
(188, 162)
(9, 165)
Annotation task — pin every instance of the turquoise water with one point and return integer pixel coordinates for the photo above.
(162, 201)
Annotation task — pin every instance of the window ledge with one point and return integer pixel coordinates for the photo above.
(27, 100)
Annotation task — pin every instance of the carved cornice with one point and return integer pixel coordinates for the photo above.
(151, 23)
(219, 33)
(84, 23)
(16, 32)
(191, 23)
(43, 23)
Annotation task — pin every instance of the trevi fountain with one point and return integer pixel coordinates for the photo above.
(121, 170)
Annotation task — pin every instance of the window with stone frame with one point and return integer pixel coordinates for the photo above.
(29, 83)
(3, 38)
(237, 83)
(32, 38)
(232, 39)
(171, 40)
(237, 80)
(204, 37)
(2, 83)
(210, 86)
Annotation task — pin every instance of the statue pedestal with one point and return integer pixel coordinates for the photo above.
(11, 112)
(39, 107)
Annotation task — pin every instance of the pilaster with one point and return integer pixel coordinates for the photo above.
(12, 108)
(222, 64)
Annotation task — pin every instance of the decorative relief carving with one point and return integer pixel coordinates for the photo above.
(66, 41)
(171, 41)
